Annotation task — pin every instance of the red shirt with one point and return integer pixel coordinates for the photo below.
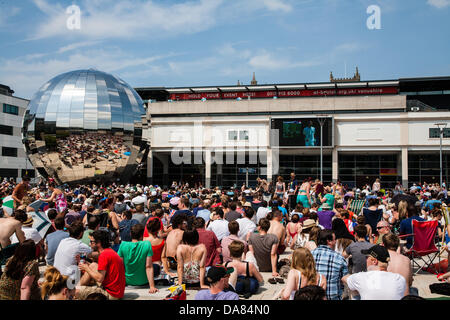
(114, 282)
(209, 239)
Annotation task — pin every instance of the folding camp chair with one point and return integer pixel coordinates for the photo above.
(424, 248)
(356, 206)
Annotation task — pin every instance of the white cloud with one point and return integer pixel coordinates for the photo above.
(126, 18)
(267, 60)
(439, 3)
(277, 5)
(77, 45)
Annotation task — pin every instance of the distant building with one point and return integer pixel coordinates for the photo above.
(13, 161)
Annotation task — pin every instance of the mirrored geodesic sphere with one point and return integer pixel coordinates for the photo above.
(85, 126)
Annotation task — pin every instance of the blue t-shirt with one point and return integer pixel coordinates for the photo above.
(53, 240)
(222, 295)
(125, 229)
(188, 213)
(205, 214)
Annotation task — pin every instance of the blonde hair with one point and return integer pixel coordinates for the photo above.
(402, 209)
(54, 282)
(303, 261)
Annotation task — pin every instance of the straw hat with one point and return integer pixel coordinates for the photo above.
(308, 223)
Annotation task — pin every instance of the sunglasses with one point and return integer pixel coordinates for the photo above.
(378, 228)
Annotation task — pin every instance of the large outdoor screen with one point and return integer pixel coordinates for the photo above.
(304, 132)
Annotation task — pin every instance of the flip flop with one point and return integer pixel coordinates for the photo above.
(272, 281)
(279, 280)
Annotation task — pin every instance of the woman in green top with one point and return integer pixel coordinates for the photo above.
(20, 279)
(328, 198)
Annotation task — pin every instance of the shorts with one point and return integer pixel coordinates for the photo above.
(85, 291)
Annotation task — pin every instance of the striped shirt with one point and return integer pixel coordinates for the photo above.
(333, 266)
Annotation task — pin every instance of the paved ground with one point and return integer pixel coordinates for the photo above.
(269, 291)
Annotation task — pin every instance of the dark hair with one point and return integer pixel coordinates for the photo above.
(264, 224)
(128, 214)
(93, 222)
(249, 212)
(310, 292)
(264, 203)
(295, 218)
(120, 197)
(233, 206)
(412, 210)
(361, 231)
(199, 223)
(233, 227)
(25, 252)
(178, 220)
(101, 236)
(52, 214)
(76, 229)
(190, 237)
(219, 211)
(325, 236)
(20, 215)
(391, 241)
(412, 298)
(154, 225)
(236, 249)
(137, 231)
(185, 202)
(59, 223)
(25, 178)
(373, 202)
(96, 296)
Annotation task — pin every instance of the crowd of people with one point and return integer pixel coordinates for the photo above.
(346, 244)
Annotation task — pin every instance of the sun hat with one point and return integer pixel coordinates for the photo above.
(326, 206)
(308, 223)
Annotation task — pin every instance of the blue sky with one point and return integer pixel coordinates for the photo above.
(218, 42)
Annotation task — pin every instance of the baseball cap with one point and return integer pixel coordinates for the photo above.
(216, 273)
(378, 252)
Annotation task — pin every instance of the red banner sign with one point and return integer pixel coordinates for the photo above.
(283, 93)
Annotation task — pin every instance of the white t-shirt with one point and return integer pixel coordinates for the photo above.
(30, 234)
(378, 285)
(65, 255)
(245, 226)
(261, 213)
(220, 228)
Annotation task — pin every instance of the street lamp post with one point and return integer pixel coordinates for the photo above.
(441, 127)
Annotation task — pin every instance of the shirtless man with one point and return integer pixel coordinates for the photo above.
(398, 263)
(20, 191)
(9, 226)
(278, 229)
(173, 240)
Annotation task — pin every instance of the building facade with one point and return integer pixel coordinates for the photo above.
(230, 135)
(13, 160)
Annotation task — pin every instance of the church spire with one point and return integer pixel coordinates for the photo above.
(254, 82)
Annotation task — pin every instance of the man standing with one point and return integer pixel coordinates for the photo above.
(20, 191)
(377, 283)
(263, 246)
(330, 263)
(292, 192)
(137, 259)
(109, 272)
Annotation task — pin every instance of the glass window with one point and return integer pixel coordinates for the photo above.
(243, 135)
(232, 135)
(7, 108)
(6, 130)
(30, 173)
(9, 152)
(434, 133)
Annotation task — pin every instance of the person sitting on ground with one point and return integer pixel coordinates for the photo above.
(343, 236)
(233, 228)
(301, 239)
(361, 221)
(232, 214)
(191, 257)
(262, 211)
(372, 214)
(55, 286)
(293, 229)
(137, 259)
(377, 283)
(303, 273)
(69, 251)
(19, 281)
(277, 229)
(330, 263)
(10, 226)
(263, 246)
(126, 224)
(157, 242)
(93, 224)
(173, 240)
(218, 224)
(383, 228)
(246, 225)
(53, 239)
(353, 251)
(209, 239)
(325, 216)
(183, 208)
(108, 274)
(311, 293)
(218, 280)
(249, 277)
(399, 263)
